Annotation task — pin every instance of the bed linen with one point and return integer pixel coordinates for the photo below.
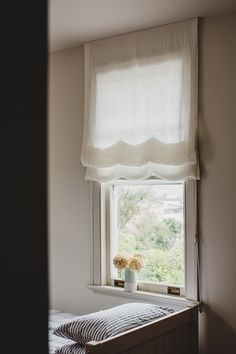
(56, 318)
(99, 325)
(71, 349)
(107, 323)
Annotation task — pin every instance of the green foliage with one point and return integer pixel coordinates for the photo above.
(166, 233)
(129, 206)
(175, 227)
(161, 241)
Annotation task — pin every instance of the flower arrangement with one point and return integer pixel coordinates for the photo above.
(134, 262)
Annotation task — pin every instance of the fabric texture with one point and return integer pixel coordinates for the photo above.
(141, 105)
(57, 318)
(71, 349)
(104, 324)
(55, 342)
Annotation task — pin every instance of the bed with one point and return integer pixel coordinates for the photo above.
(57, 318)
(176, 333)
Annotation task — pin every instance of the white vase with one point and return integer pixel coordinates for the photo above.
(130, 280)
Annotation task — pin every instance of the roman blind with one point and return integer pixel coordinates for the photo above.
(141, 105)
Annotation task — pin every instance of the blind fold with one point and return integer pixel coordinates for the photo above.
(141, 105)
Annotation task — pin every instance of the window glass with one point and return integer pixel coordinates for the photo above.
(149, 219)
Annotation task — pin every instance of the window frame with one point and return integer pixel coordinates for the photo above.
(101, 245)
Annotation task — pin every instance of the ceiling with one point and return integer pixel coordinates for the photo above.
(73, 22)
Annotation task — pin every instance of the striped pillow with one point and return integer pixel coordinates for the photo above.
(71, 349)
(103, 324)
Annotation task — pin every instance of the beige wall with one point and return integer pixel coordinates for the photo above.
(217, 190)
(69, 193)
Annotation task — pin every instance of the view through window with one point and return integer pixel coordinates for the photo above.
(149, 219)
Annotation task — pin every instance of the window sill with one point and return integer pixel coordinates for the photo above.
(176, 302)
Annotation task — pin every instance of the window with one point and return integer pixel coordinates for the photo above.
(149, 218)
(140, 125)
(155, 218)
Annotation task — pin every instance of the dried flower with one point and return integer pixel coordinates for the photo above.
(121, 261)
(136, 263)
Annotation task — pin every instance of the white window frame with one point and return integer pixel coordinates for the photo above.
(101, 246)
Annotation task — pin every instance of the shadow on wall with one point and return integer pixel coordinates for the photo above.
(220, 337)
(204, 139)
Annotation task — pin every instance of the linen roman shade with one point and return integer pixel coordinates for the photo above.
(141, 105)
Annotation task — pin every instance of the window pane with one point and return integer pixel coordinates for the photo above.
(150, 221)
